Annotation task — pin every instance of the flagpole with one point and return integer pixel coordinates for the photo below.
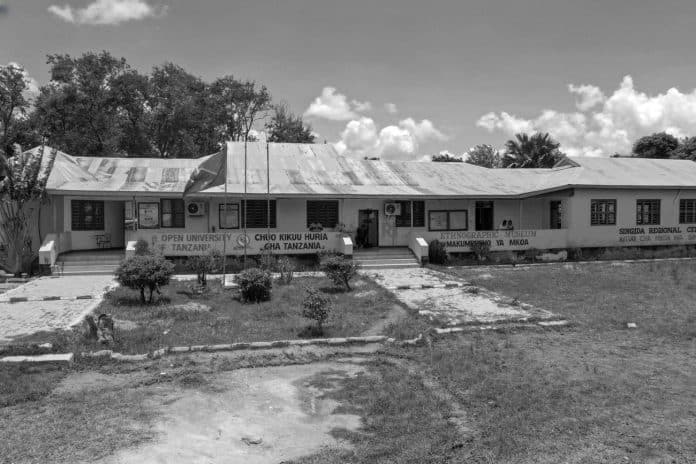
(268, 196)
(224, 232)
(246, 238)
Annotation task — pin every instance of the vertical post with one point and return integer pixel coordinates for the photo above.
(268, 194)
(224, 232)
(245, 202)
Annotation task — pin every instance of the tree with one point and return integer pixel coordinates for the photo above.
(485, 156)
(316, 306)
(131, 93)
(143, 272)
(239, 106)
(445, 157)
(537, 151)
(77, 110)
(21, 189)
(657, 145)
(13, 106)
(686, 149)
(180, 125)
(285, 127)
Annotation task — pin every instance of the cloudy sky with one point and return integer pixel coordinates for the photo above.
(405, 78)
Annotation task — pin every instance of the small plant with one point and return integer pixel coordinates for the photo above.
(142, 248)
(266, 261)
(145, 272)
(481, 248)
(340, 270)
(316, 307)
(255, 285)
(437, 253)
(287, 270)
(472, 290)
(204, 265)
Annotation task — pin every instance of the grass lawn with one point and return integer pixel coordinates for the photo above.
(595, 392)
(173, 321)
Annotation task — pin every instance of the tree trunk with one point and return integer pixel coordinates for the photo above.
(142, 295)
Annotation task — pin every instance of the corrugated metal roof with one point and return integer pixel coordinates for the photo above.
(107, 175)
(317, 169)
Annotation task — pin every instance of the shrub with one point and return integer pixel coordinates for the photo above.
(205, 264)
(437, 253)
(145, 272)
(481, 248)
(286, 268)
(340, 270)
(316, 307)
(142, 248)
(254, 284)
(266, 261)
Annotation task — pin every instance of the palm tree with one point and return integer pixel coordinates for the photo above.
(537, 151)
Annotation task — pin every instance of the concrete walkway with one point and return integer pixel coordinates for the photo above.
(451, 300)
(69, 304)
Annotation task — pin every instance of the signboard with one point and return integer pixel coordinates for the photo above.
(148, 215)
(499, 240)
(190, 244)
(656, 235)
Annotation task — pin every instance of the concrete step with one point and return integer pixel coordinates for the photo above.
(389, 266)
(410, 259)
(89, 272)
(89, 263)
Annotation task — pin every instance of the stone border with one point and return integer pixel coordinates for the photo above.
(427, 286)
(23, 299)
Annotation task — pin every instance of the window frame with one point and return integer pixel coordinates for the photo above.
(607, 201)
(274, 214)
(223, 207)
(173, 213)
(96, 225)
(687, 211)
(421, 214)
(405, 214)
(651, 215)
(447, 211)
(324, 202)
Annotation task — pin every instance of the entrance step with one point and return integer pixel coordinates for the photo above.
(385, 258)
(92, 262)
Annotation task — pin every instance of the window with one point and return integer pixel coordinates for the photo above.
(404, 219)
(256, 214)
(484, 215)
(603, 212)
(228, 215)
(448, 220)
(324, 212)
(418, 214)
(148, 215)
(87, 215)
(647, 212)
(556, 215)
(687, 211)
(173, 214)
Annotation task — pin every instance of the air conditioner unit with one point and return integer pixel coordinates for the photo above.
(392, 209)
(196, 208)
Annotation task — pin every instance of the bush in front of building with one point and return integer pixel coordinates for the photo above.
(316, 306)
(481, 249)
(145, 272)
(340, 270)
(142, 248)
(437, 253)
(286, 268)
(254, 285)
(204, 265)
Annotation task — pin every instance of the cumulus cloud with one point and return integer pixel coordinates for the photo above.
(603, 125)
(109, 12)
(362, 138)
(32, 89)
(391, 108)
(335, 106)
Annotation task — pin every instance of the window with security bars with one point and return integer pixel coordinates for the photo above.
(255, 214)
(173, 213)
(87, 215)
(687, 211)
(323, 212)
(603, 212)
(647, 212)
(406, 216)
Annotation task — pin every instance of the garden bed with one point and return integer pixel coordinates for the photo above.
(181, 317)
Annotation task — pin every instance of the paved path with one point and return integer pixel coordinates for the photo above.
(451, 300)
(28, 317)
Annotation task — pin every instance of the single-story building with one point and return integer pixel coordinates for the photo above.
(304, 198)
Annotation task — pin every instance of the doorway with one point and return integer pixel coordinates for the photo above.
(484, 215)
(556, 214)
(367, 235)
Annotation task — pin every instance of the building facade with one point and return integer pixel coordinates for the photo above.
(300, 199)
